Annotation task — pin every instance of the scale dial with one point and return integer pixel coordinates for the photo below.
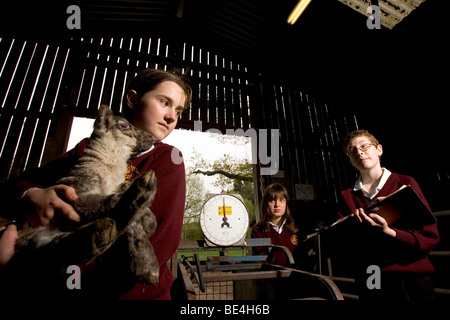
(224, 219)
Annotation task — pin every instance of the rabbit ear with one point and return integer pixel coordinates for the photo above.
(105, 118)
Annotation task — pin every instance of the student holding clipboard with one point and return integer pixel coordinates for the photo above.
(400, 247)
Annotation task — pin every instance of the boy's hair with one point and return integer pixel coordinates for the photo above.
(275, 191)
(355, 134)
(147, 79)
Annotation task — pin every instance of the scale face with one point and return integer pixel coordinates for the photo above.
(224, 219)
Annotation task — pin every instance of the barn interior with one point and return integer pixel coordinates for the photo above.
(315, 80)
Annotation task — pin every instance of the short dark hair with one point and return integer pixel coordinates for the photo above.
(147, 79)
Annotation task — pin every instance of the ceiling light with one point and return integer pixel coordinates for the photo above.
(298, 10)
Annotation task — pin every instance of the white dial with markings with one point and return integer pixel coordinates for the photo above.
(224, 219)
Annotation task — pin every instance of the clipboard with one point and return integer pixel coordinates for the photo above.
(403, 206)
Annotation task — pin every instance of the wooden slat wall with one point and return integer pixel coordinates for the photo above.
(41, 82)
(220, 88)
(311, 134)
(30, 79)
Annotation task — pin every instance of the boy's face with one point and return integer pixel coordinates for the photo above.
(364, 154)
(157, 111)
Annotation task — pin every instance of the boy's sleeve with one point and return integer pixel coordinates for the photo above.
(422, 239)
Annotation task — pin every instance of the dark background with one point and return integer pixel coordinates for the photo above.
(395, 81)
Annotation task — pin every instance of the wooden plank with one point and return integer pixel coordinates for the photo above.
(98, 85)
(291, 130)
(5, 158)
(297, 137)
(229, 104)
(9, 52)
(57, 94)
(255, 101)
(237, 106)
(58, 135)
(284, 135)
(42, 79)
(38, 143)
(5, 119)
(302, 123)
(85, 88)
(192, 56)
(327, 187)
(120, 80)
(6, 44)
(211, 89)
(194, 112)
(213, 109)
(31, 74)
(203, 91)
(308, 132)
(23, 146)
(18, 74)
(272, 274)
(264, 108)
(245, 113)
(94, 78)
(112, 86)
(187, 283)
(221, 102)
(321, 152)
(336, 167)
(11, 141)
(108, 82)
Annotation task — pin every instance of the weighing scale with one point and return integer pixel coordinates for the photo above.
(224, 221)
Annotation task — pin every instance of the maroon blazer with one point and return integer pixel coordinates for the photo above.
(101, 279)
(285, 238)
(408, 252)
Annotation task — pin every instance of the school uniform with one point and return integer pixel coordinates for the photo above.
(403, 260)
(279, 236)
(105, 277)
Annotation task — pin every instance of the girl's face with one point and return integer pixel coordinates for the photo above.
(364, 154)
(157, 111)
(277, 208)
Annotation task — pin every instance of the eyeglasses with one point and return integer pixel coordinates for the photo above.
(363, 148)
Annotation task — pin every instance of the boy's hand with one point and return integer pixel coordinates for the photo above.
(42, 206)
(374, 220)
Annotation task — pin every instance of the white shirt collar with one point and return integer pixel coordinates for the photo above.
(278, 229)
(144, 152)
(359, 186)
